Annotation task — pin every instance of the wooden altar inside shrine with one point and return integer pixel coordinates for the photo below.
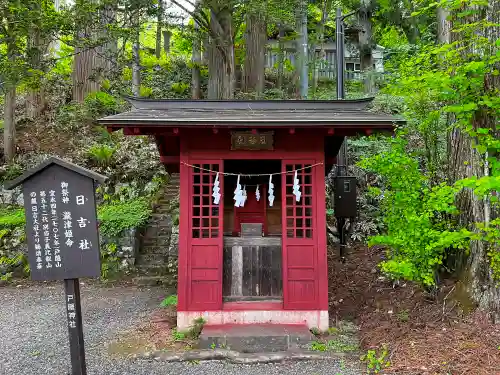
(263, 261)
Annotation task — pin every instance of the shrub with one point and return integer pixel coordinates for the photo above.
(12, 237)
(116, 217)
(169, 301)
(11, 218)
(416, 216)
(101, 103)
(101, 154)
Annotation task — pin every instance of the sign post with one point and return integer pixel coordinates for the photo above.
(62, 235)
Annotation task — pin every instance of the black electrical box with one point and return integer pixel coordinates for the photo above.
(345, 197)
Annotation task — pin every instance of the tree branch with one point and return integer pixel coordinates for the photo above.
(195, 14)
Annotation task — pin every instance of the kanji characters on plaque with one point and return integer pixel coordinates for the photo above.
(71, 310)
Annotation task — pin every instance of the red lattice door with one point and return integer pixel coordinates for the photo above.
(205, 245)
(299, 238)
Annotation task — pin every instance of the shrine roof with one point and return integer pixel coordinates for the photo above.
(242, 113)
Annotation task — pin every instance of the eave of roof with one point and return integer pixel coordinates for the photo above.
(224, 113)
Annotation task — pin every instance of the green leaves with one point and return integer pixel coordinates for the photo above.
(11, 218)
(416, 215)
(114, 218)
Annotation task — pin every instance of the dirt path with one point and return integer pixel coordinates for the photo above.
(34, 337)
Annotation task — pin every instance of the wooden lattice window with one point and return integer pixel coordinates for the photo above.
(205, 214)
(299, 215)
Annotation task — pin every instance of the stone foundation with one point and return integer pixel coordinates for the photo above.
(311, 318)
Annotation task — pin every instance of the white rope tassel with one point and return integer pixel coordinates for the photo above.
(271, 191)
(257, 194)
(238, 194)
(244, 196)
(216, 190)
(296, 187)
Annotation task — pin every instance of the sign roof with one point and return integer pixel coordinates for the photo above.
(50, 161)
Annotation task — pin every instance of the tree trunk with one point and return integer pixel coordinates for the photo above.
(221, 64)
(35, 99)
(86, 73)
(255, 40)
(302, 50)
(159, 25)
(36, 48)
(466, 161)
(281, 56)
(321, 39)
(136, 68)
(205, 48)
(167, 34)
(196, 60)
(109, 51)
(443, 26)
(366, 44)
(9, 131)
(55, 44)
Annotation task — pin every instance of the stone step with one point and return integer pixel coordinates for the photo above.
(159, 216)
(153, 249)
(147, 259)
(255, 338)
(152, 269)
(169, 196)
(171, 189)
(156, 240)
(153, 281)
(154, 231)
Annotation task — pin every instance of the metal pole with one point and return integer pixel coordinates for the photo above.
(339, 42)
(342, 154)
(75, 326)
(304, 67)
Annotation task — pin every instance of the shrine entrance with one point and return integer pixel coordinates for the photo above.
(252, 233)
(263, 252)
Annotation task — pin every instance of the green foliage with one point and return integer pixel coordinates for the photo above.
(11, 218)
(332, 345)
(315, 331)
(10, 171)
(12, 237)
(178, 336)
(376, 362)
(101, 154)
(192, 334)
(197, 327)
(415, 216)
(101, 103)
(116, 217)
(403, 316)
(109, 260)
(170, 80)
(443, 91)
(170, 301)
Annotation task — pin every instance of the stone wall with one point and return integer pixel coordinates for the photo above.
(128, 245)
(12, 197)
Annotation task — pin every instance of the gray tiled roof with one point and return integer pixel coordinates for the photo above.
(350, 113)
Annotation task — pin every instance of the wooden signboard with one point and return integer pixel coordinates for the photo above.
(248, 140)
(62, 235)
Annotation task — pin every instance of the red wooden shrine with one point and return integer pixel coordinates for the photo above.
(279, 272)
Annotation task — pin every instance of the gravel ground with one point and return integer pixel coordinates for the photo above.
(34, 337)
